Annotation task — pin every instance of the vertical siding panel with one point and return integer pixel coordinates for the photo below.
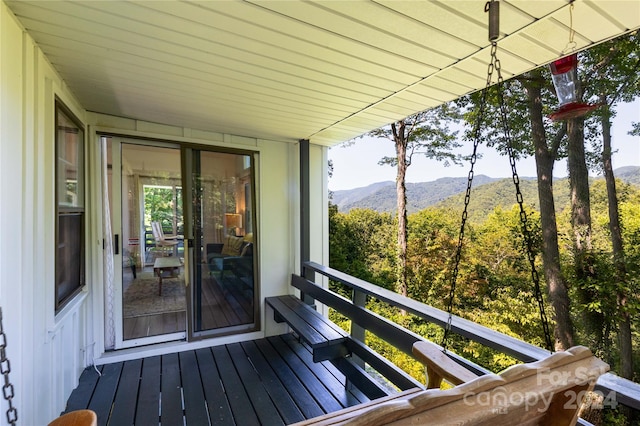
(46, 352)
(42, 357)
(29, 236)
(276, 232)
(51, 394)
(11, 188)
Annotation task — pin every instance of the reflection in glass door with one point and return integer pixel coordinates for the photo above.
(221, 242)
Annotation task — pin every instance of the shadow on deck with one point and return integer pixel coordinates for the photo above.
(271, 381)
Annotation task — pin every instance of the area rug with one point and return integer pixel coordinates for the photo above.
(141, 297)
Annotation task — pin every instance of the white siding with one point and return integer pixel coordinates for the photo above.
(45, 351)
(11, 105)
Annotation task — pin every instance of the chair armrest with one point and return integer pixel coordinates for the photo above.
(440, 366)
(174, 237)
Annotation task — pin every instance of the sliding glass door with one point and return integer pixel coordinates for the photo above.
(220, 241)
(181, 241)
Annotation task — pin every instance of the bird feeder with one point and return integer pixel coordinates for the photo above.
(565, 80)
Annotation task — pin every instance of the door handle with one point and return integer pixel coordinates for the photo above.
(187, 242)
(116, 244)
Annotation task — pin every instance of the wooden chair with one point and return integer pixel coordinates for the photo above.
(546, 392)
(164, 242)
(439, 366)
(76, 418)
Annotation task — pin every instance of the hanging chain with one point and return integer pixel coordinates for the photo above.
(467, 197)
(526, 232)
(494, 65)
(5, 369)
(571, 44)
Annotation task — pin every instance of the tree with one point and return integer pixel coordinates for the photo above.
(426, 133)
(615, 65)
(545, 154)
(358, 243)
(432, 238)
(524, 99)
(584, 262)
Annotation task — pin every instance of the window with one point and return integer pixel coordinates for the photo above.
(70, 206)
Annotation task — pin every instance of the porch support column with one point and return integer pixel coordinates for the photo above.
(305, 215)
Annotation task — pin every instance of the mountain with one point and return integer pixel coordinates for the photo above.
(381, 196)
(487, 193)
(350, 197)
(628, 174)
(484, 199)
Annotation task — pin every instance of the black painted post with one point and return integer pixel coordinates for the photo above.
(357, 332)
(305, 217)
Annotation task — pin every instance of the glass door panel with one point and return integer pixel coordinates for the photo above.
(221, 242)
(147, 190)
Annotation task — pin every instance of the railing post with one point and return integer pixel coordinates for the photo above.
(357, 332)
(305, 217)
(310, 275)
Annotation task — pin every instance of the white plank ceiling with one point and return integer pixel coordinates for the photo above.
(288, 70)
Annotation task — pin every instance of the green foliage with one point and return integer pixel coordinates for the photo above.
(494, 286)
(160, 206)
(359, 244)
(609, 75)
(426, 133)
(515, 101)
(431, 245)
(603, 283)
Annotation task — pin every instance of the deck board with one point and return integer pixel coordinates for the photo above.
(170, 394)
(285, 404)
(81, 396)
(217, 403)
(265, 408)
(124, 406)
(333, 385)
(147, 410)
(242, 409)
(105, 391)
(271, 381)
(303, 399)
(315, 386)
(194, 401)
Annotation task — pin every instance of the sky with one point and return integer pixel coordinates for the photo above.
(357, 166)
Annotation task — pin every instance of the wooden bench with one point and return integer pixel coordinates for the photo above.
(330, 342)
(326, 340)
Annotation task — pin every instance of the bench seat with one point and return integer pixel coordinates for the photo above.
(326, 340)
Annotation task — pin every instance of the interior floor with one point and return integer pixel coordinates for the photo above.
(224, 302)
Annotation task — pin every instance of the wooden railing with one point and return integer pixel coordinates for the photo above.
(617, 389)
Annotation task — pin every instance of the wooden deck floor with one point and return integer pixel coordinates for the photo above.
(270, 381)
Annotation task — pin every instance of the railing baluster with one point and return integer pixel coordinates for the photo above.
(310, 274)
(357, 332)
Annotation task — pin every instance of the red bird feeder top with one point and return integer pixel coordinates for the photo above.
(565, 80)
